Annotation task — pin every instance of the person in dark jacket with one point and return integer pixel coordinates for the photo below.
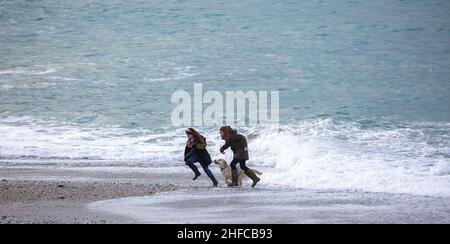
(239, 146)
(195, 151)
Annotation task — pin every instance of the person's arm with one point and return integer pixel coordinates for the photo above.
(187, 153)
(186, 150)
(224, 147)
(190, 153)
(194, 150)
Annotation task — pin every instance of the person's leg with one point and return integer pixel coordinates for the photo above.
(207, 171)
(233, 164)
(243, 166)
(210, 175)
(250, 174)
(190, 163)
(234, 173)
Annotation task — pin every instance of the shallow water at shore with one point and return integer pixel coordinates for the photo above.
(245, 206)
(96, 195)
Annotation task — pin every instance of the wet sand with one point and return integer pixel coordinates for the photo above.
(102, 195)
(279, 206)
(50, 196)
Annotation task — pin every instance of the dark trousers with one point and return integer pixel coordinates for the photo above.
(194, 159)
(241, 164)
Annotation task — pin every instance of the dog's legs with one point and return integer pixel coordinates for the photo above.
(227, 180)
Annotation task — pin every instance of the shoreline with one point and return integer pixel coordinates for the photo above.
(60, 196)
(278, 206)
(39, 195)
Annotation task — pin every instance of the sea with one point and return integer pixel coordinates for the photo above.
(364, 86)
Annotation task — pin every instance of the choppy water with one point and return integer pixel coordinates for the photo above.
(364, 85)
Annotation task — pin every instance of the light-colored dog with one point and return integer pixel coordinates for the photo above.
(226, 172)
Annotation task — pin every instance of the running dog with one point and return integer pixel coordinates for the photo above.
(226, 171)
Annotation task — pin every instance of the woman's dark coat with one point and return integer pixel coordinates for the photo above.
(238, 145)
(199, 149)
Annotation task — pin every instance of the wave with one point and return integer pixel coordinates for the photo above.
(27, 138)
(411, 158)
(323, 154)
(31, 70)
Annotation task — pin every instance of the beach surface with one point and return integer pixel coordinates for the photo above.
(282, 206)
(100, 195)
(59, 196)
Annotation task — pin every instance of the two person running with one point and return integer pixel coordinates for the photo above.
(196, 152)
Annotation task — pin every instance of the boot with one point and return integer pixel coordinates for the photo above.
(195, 169)
(215, 182)
(252, 176)
(234, 178)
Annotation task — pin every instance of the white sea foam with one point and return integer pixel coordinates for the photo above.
(322, 154)
(316, 154)
(32, 70)
(441, 168)
(6, 87)
(26, 138)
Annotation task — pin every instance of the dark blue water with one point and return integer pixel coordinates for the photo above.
(119, 62)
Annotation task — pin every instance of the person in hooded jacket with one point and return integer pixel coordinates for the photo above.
(239, 146)
(195, 151)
